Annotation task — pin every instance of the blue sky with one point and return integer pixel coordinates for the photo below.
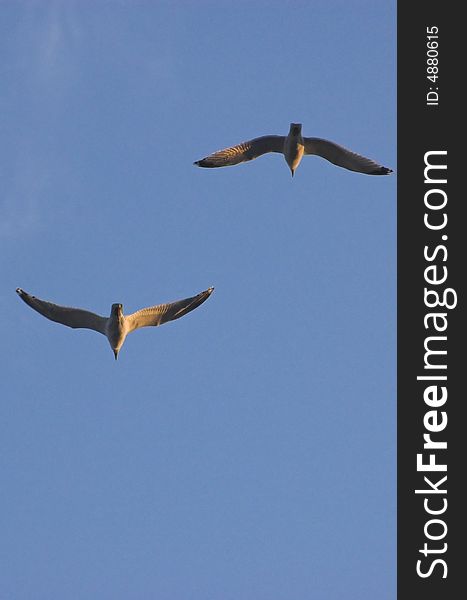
(246, 451)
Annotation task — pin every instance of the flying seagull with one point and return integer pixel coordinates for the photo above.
(293, 146)
(117, 326)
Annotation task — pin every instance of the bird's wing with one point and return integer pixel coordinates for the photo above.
(157, 315)
(243, 152)
(71, 317)
(342, 157)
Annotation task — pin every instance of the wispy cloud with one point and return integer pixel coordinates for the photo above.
(60, 61)
(35, 79)
(24, 188)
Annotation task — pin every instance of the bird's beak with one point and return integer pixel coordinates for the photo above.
(116, 354)
(292, 171)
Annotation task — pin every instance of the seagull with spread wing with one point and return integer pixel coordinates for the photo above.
(293, 146)
(117, 326)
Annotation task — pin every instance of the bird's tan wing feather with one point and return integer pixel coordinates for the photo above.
(71, 317)
(243, 152)
(342, 157)
(157, 315)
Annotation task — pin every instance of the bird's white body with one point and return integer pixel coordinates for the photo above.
(116, 328)
(294, 147)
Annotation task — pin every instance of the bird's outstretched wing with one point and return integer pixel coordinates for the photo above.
(342, 157)
(243, 152)
(71, 317)
(157, 315)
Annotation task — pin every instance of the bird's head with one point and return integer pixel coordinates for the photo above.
(117, 310)
(295, 128)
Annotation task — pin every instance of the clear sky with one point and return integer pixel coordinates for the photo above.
(246, 451)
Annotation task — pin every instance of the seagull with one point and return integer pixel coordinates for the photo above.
(117, 326)
(293, 146)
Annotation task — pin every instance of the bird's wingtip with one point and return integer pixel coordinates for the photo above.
(204, 162)
(382, 171)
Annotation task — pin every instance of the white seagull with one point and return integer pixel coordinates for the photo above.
(293, 146)
(117, 326)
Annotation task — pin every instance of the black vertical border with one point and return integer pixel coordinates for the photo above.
(423, 128)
